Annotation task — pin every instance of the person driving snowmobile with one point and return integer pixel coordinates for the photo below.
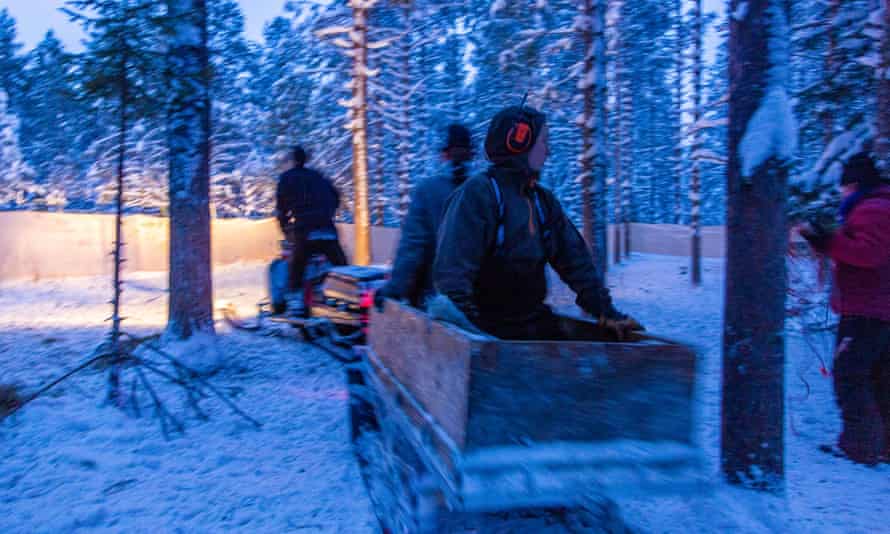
(306, 203)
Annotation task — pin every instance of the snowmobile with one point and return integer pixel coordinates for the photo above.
(457, 432)
(333, 306)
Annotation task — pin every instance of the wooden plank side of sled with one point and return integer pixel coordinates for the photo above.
(400, 412)
(485, 392)
(544, 423)
(544, 391)
(431, 359)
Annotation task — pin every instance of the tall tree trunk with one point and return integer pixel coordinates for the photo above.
(651, 140)
(882, 146)
(626, 135)
(379, 171)
(754, 314)
(361, 214)
(695, 182)
(619, 164)
(117, 256)
(830, 62)
(679, 66)
(615, 52)
(593, 160)
(191, 288)
(403, 169)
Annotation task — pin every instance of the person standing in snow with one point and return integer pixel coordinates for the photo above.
(306, 203)
(860, 252)
(412, 277)
(502, 229)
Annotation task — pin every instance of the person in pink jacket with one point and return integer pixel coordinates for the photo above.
(860, 252)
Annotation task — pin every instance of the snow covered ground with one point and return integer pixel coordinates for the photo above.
(67, 462)
(824, 494)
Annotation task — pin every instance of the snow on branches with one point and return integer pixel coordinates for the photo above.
(772, 130)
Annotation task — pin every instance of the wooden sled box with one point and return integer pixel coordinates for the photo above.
(507, 424)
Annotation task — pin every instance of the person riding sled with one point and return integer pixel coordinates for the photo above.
(502, 229)
(860, 252)
(306, 203)
(412, 277)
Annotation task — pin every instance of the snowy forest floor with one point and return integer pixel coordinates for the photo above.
(67, 462)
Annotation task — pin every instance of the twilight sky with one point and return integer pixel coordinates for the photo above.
(35, 17)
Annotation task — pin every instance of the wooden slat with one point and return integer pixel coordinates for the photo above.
(402, 414)
(430, 359)
(487, 393)
(575, 391)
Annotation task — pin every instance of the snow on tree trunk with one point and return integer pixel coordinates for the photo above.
(625, 134)
(403, 115)
(117, 254)
(615, 51)
(359, 126)
(592, 123)
(679, 66)
(882, 146)
(379, 174)
(191, 291)
(695, 182)
(830, 62)
(760, 123)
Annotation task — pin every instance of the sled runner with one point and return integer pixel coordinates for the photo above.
(333, 312)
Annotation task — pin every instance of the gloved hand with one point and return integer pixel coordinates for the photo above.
(621, 326)
(815, 234)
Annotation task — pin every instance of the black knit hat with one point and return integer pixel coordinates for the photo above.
(861, 170)
(512, 133)
(458, 136)
(299, 155)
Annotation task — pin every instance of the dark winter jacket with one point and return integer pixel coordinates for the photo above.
(306, 199)
(861, 254)
(499, 285)
(412, 272)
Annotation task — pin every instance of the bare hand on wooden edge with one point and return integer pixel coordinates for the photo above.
(621, 328)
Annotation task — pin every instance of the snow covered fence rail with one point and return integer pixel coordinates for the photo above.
(39, 245)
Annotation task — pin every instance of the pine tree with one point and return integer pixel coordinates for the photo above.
(234, 62)
(648, 60)
(118, 66)
(834, 53)
(593, 161)
(625, 130)
(695, 182)
(618, 119)
(15, 174)
(11, 64)
(188, 138)
(680, 44)
(882, 146)
(357, 46)
(55, 133)
(395, 94)
(713, 128)
(762, 132)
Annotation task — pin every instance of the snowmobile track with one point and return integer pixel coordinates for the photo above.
(315, 333)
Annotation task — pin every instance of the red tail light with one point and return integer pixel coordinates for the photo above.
(367, 300)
